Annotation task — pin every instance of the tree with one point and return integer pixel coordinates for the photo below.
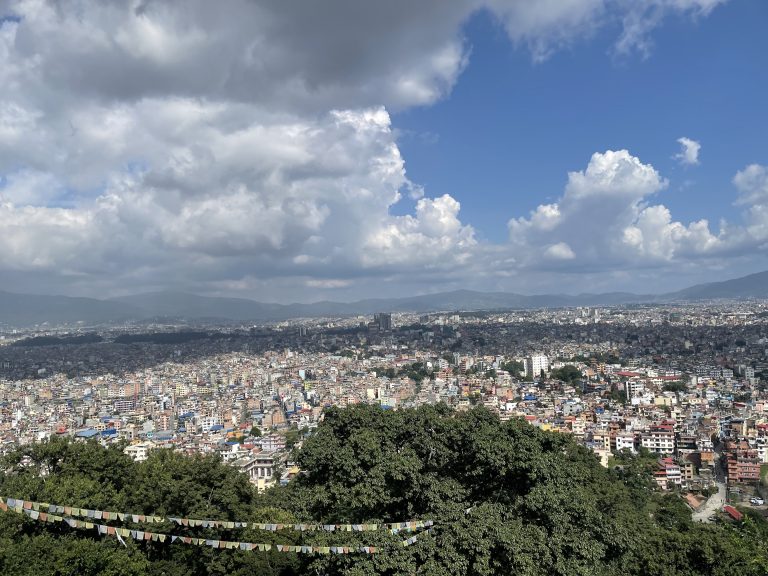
(567, 373)
(514, 367)
(676, 386)
(506, 497)
(292, 436)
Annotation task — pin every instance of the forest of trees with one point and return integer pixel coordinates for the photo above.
(506, 498)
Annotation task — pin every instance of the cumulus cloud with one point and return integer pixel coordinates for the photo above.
(752, 184)
(604, 221)
(434, 237)
(689, 153)
(559, 251)
(144, 143)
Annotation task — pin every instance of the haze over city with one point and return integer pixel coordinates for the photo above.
(299, 152)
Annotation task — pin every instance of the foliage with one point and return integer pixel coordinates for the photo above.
(506, 497)
(416, 372)
(514, 367)
(168, 483)
(89, 338)
(567, 373)
(389, 373)
(618, 395)
(675, 386)
(292, 436)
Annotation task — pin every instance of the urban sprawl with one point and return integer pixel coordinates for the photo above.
(684, 385)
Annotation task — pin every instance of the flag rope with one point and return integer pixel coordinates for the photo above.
(27, 509)
(74, 511)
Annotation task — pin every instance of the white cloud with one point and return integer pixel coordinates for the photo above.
(611, 175)
(277, 190)
(547, 25)
(752, 184)
(689, 153)
(640, 17)
(31, 188)
(328, 284)
(434, 237)
(604, 221)
(559, 251)
(228, 146)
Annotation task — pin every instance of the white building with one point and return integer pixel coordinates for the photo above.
(260, 469)
(534, 365)
(625, 442)
(634, 388)
(139, 452)
(209, 422)
(658, 441)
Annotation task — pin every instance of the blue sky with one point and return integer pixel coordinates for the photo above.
(294, 151)
(505, 138)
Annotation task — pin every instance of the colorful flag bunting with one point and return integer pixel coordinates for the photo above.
(33, 511)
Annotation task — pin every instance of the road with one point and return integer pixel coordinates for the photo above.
(712, 505)
(716, 501)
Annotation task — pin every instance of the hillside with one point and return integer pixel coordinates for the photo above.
(505, 498)
(30, 309)
(752, 286)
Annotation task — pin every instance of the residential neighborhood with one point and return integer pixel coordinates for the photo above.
(684, 386)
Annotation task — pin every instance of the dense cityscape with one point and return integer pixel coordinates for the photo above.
(684, 384)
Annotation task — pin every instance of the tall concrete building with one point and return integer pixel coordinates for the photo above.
(535, 364)
(383, 320)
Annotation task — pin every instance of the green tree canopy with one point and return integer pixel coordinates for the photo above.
(567, 373)
(506, 498)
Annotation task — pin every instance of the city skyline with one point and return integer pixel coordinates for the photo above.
(562, 147)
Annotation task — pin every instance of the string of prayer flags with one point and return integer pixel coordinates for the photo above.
(413, 539)
(392, 527)
(141, 535)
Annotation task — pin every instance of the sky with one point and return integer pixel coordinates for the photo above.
(294, 151)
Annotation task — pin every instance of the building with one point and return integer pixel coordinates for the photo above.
(659, 439)
(625, 441)
(667, 474)
(634, 388)
(742, 461)
(139, 452)
(536, 364)
(260, 469)
(383, 321)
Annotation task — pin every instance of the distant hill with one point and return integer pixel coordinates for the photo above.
(27, 310)
(191, 306)
(31, 309)
(752, 286)
(184, 305)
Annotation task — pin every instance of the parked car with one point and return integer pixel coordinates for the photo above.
(757, 501)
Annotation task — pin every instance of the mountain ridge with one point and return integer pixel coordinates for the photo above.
(22, 310)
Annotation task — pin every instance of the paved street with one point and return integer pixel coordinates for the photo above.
(712, 505)
(716, 501)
